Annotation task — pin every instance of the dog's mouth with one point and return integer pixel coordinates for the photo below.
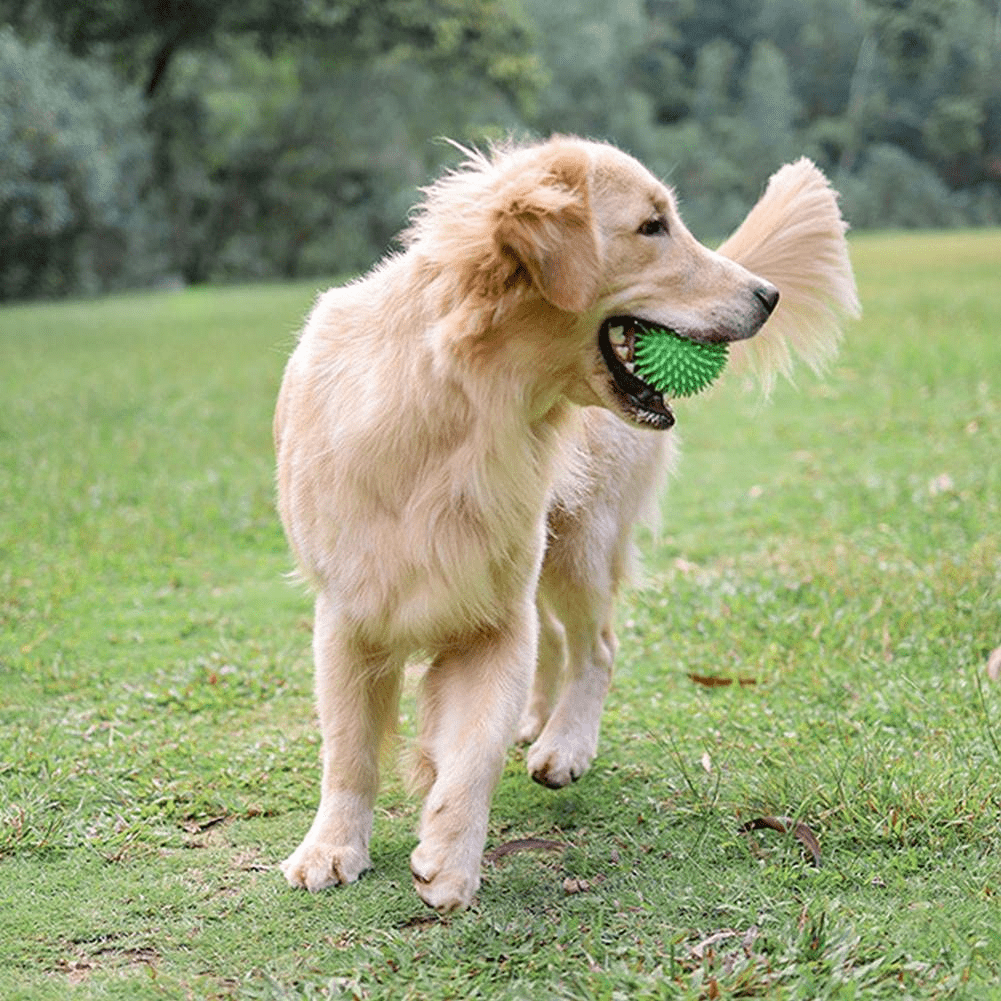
(640, 401)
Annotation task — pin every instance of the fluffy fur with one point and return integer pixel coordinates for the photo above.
(463, 454)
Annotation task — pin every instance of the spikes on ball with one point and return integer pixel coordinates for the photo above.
(674, 365)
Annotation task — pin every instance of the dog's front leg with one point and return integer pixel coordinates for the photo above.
(471, 701)
(357, 693)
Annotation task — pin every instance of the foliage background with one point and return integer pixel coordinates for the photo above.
(241, 139)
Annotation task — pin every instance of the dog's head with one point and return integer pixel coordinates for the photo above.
(653, 269)
(575, 237)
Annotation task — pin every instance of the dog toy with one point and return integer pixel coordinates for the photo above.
(674, 365)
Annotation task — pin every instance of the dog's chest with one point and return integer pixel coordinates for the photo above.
(421, 579)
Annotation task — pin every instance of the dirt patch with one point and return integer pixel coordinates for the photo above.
(87, 961)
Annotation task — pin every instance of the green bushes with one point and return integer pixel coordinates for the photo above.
(244, 140)
(74, 208)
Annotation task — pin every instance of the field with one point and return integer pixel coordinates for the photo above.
(810, 641)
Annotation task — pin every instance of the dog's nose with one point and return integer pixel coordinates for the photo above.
(768, 296)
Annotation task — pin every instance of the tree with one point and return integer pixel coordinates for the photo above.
(714, 73)
(589, 48)
(71, 175)
(909, 33)
(699, 22)
(771, 109)
(287, 137)
(308, 169)
(219, 186)
(146, 38)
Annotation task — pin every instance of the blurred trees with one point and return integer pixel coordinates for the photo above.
(73, 169)
(288, 135)
(218, 139)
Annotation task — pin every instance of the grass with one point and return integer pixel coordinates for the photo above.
(837, 550)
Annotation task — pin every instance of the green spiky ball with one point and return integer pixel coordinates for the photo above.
(673, 365)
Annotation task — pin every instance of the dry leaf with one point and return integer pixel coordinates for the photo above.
(699, 950)
(715, 681)
(803, 834)
(522, 845)
(421, 920)
(193, 826)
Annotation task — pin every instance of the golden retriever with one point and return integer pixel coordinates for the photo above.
(463, 454)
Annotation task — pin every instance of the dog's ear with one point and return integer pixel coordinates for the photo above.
(544, 229)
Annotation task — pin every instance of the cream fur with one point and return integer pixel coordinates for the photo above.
(459, 475)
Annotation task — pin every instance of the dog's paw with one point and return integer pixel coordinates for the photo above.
(557, 765)
(314, 865)
(529, 727)
(440, 885)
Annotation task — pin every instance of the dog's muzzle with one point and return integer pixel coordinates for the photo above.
(643, 403)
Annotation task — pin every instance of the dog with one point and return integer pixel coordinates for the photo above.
(462, 455)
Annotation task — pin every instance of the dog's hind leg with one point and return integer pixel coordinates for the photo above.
(549, 670)
(357, 701)
(589, 556)
(568, 742)
(470, 700)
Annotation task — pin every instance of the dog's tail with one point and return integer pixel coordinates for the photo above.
(795, 237)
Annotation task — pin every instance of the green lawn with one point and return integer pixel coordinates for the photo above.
(837, 549)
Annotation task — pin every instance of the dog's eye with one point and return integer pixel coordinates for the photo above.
(654, 226)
